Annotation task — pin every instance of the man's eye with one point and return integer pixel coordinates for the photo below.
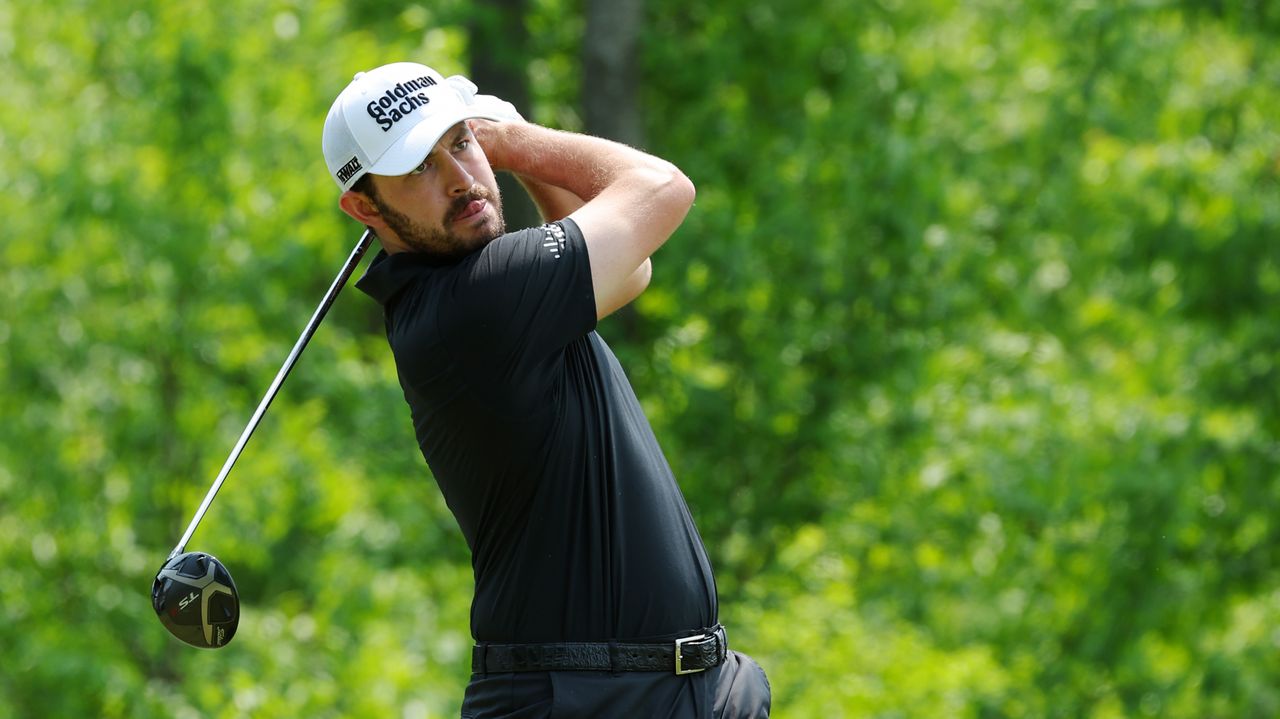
(462, 145)
(421, 168)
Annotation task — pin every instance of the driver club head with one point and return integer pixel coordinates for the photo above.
(196, 600)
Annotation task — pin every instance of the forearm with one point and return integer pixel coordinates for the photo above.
(581, 164)
(554, 203)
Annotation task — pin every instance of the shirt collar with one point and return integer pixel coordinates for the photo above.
(388, 274)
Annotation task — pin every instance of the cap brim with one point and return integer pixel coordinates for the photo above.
(414, 145)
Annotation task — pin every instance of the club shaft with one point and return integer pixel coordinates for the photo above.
(289, 362)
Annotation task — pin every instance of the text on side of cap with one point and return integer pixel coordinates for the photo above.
(399, 101)
(347, 171)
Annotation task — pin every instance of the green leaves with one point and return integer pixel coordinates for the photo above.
(965, 358)
(975, 277)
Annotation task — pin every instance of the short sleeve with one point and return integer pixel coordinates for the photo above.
(521, 299)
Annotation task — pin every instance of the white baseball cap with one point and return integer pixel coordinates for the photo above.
(387, 120)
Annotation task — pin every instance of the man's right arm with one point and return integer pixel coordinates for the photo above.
(633, 201)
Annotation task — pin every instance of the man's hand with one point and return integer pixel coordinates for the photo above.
(496, 140)
(489, 104)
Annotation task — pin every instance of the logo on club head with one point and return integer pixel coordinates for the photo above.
(207, 587)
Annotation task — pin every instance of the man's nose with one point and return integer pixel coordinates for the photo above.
(458, 180)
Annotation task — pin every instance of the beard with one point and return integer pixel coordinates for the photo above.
(441, 244)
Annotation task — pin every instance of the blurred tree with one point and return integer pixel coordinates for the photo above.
(499, 51)
(611, 70)
(610, 92)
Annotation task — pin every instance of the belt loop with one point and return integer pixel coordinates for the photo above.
(613, 657)
(484, 659)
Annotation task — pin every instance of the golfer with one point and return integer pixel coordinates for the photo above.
(593, 593)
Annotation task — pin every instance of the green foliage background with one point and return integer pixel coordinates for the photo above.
(967, 357)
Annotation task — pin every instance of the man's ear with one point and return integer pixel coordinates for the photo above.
(360, 208)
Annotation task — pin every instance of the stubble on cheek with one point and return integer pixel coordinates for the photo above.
(444, 242)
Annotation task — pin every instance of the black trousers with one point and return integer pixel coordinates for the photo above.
(737, 689)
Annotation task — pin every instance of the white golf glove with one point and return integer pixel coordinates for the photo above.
(488, 104)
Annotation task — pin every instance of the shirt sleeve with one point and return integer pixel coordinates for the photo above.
(520, 300)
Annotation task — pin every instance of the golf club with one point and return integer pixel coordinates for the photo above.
(193, 593)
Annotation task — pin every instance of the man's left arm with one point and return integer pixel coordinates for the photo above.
(556, 203)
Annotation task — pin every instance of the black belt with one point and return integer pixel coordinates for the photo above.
(685, 655)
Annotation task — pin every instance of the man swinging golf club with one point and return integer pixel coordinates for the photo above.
(593, 593)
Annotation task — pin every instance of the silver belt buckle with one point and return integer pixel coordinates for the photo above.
(679, 659)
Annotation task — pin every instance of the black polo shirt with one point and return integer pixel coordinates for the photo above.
(577, 528)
